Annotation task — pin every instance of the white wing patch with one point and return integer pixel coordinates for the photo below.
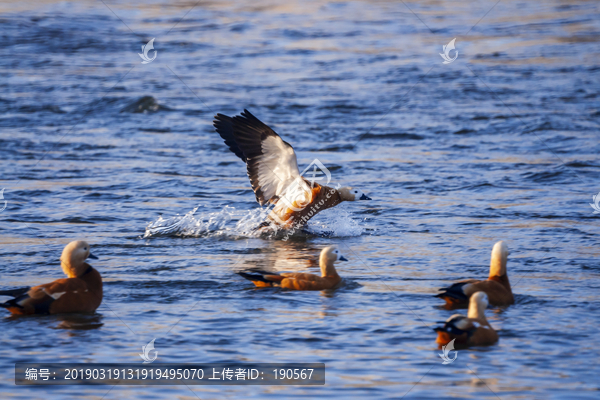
(278, 173)
(463, 324)
(468, 289)
(56, 295)
(454, 316)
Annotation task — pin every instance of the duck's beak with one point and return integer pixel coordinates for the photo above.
(93, 257)
(342, 258)
(365, 197)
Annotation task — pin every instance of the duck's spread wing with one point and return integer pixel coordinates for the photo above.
(224, 127)
(271, 162)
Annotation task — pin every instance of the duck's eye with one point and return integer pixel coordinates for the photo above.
(85, 248)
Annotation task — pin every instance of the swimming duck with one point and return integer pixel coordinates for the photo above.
(274, 174)
(80, 292)
(497, 286)
(329, 278)
(472, 330)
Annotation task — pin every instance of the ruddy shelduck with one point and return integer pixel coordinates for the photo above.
(81, 292)
(329, 278)
(497, 286)
(273, 171)
(472, 330)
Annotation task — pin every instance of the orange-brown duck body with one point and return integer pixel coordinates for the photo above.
(472, 330)
(81, 292)
(497, 286)
(329, 278)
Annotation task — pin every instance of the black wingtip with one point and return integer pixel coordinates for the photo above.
(252, 277)
(249, 116)
(453, 295)
(14, 292)
(11, 304)
(223, 125)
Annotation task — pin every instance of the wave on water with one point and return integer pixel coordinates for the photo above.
(235, 223)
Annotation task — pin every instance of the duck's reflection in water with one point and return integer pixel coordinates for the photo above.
(290, 256)
(81, 322)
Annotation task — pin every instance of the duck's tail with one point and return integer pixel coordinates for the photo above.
(10, 305)
(453, 295)
(13, 304)
(451, 330)
(14, 292)
(261, 278)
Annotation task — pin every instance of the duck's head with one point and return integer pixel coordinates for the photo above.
(480, 298)
(329, 256)
(477, 304)
(499, 256)
(350, 194)
(73, 258)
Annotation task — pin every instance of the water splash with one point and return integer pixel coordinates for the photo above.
(337, 222)
(206, 224)
(241, 223)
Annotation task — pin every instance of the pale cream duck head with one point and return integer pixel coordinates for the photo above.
(477, 305)
(351, 194)
(499, 258)
(329, 256)
(73, 258)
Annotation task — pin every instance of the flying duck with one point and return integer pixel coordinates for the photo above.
(81, 292)
(497, 286)
(472, 330)
(274, 174)
(329, 278)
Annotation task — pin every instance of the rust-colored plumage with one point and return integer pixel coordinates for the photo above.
(497, 287)
(329, 278)
(80, 292)
(472, 330)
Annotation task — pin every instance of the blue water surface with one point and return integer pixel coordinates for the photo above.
(501, 144)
